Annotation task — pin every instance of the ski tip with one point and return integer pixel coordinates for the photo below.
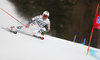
(42, 38)
(15, 32)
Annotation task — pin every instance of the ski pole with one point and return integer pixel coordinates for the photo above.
(12, 16)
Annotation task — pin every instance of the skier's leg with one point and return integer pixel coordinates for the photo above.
(42, 31)
(35, 29)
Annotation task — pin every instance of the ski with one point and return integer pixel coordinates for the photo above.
(15, 32)
(7, 29)
(38, 37)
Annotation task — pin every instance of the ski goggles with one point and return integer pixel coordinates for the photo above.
(45, 16)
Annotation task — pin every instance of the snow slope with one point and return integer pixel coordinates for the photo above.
(23, 47)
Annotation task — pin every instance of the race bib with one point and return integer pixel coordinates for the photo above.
(41, 23)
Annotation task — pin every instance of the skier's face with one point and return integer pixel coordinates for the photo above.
(45, 16)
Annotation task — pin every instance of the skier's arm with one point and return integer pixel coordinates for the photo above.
(48, 27)
(27, 26)
(33, 19)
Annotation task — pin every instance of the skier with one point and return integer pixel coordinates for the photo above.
(38, 24)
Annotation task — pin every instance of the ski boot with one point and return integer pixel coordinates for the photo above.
(12, 29)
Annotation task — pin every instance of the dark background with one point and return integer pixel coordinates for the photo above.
(68, 17)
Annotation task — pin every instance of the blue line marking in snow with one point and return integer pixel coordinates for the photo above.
(94, 54)
(84, 41)
(74, 38)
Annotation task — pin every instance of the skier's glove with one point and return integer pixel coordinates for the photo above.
(27, 26)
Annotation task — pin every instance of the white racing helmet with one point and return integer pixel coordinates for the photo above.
(46, 13)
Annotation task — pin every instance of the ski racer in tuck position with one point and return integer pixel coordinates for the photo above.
(38, 24)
